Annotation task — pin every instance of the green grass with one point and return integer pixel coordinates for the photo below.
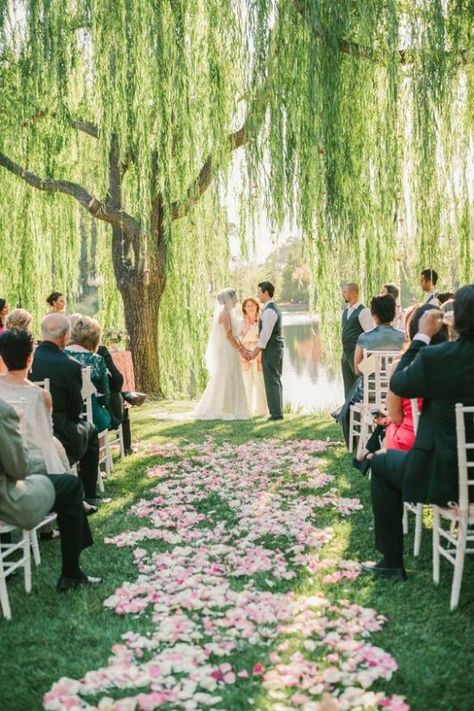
(52, 636)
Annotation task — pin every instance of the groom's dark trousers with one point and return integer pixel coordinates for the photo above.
(272, 365)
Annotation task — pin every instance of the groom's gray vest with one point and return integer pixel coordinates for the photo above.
(276, 339)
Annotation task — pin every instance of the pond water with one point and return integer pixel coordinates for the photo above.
(309, 384)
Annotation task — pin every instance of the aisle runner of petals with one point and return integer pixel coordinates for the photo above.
(230, 528)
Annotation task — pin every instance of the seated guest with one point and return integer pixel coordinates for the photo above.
(78, 437)
(392, 290)
(25, 500)
(21, 319)
(46, 454)
(3, 314)
(83, 344)
(56, 302)
(383, 337)
(442, 375)
(119, 413)
(396, 430)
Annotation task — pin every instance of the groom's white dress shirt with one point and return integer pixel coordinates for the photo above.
(269, 319)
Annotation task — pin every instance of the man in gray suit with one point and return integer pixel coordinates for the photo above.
(25, 500)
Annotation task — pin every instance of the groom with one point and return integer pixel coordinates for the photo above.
(270, 343)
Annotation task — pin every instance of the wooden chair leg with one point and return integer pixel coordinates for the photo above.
(405, 520)
(35, 547)
(436, 541)
(459, 564)
(4, 601)
(418, 529)
(27, 559)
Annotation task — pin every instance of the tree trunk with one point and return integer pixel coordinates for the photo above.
(141, 303)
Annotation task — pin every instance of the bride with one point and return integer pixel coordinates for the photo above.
(224, 397)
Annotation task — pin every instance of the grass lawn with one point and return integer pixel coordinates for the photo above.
(52, 636)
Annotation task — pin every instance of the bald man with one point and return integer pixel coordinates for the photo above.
(78, 437)
(356, 319)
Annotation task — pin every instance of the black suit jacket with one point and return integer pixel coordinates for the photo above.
(65, 375)
(442, 375)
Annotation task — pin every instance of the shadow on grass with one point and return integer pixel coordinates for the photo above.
(66, 636)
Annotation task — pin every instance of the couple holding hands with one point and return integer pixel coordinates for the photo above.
(235, 390)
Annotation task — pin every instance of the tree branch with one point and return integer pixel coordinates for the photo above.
(86, 127)
(358, 50)
(237, 139)
(97, 208)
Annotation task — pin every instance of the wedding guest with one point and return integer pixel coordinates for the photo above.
(396, 429)
(399, 320)
(20, 319)
(384, 337)
(83, 343)
(25, 500)
(442, 375)
(252, 369)
(3, 314)
(78, 437)
(57, 302)
(356, 319)
(428, 281)
(120, 400)
(16, 349)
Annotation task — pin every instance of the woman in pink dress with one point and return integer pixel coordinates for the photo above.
(252, 369)
(400, 432)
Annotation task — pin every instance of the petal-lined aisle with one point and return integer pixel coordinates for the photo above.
(218, 613)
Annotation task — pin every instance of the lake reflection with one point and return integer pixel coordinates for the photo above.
(308, 384)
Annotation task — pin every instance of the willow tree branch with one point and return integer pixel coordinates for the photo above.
(237, 139)
(406, 56)
(86, 127)
(98, 209)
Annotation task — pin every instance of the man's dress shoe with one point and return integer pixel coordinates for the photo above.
(273, 417)
(65, 584)
(382, 571)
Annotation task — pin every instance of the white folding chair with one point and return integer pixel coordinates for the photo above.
(375, 387)
(43, 384)
(416, 509)
(19, 406)
(460, 515)
(9, 565)
(105, 456)
(116, 440)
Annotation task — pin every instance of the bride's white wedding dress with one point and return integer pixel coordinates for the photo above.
(224, 397)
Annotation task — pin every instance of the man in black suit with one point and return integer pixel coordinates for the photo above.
(78, 437)
(442, 375)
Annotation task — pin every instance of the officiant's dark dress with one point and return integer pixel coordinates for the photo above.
(272, 364)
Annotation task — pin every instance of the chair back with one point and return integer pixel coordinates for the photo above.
(465, 445)
(88, 398)
(415, 411)
(43, 384)
(376, 381)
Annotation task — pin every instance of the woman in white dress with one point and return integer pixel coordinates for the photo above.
(252, 369)
(224, 397)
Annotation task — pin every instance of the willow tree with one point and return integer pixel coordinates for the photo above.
(130, 109)
(360, 114)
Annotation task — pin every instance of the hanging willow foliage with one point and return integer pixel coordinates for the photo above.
(360, 118)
